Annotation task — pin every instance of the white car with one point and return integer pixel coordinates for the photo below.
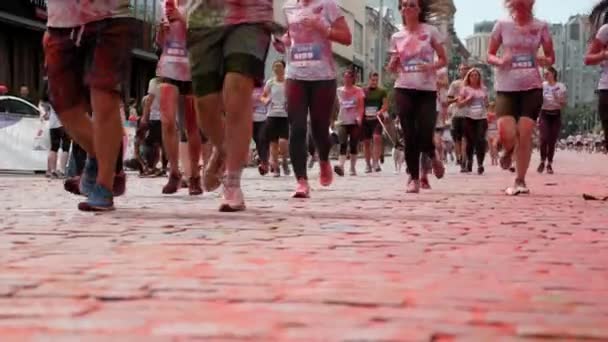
(24, 137)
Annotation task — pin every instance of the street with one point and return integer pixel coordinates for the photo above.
(360, 261)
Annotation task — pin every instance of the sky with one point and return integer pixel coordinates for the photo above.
(469, 12)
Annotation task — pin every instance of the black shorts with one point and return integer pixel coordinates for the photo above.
(371, 128)
(155, 133)
(277, 128)
(183, 87)
(519, 104)
(458, 128)
(59, 138)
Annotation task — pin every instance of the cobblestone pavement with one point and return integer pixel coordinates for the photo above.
(361, 261)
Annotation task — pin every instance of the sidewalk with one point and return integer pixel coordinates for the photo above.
(360, 261)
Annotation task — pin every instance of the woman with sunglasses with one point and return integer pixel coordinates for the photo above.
(597, 53)
(519, 86)
(474, 96)
(312, 26)
(413, 51)
(554, 99)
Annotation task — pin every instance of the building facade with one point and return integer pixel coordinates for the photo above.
(376, 47)
(22, 24)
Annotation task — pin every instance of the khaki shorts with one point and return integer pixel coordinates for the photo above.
(518, 104)
(216, 51)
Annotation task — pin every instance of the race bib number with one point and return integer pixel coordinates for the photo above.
(412, 65)
(348, 104)
(305, 55)
(176, 52)
(371, 111)
(523, 62)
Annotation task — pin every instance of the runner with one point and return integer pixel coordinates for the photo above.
(260, 111)
(597, 53)
(150, 122)
(554, 99)
(228, 44)
(88, 49)
(442, 111)
(351, 103)
(311, 80)
(176, 86)
(475, 97)
(458, 118)
(519, 93)
(493, 133)
(376, 107)
(277, 128)
(412, 51)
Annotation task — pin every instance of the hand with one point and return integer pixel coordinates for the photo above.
(543, 61)
(506, 59)
(394, 63)
(172, 13)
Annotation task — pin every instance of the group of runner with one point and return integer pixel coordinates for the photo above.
(210, 89)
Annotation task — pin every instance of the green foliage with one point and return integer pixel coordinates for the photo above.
(580, 119)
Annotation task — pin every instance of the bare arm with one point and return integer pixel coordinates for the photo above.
(596, 53)
(339, 32)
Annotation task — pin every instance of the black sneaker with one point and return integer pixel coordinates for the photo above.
(481, 170)
(550, 169)
(541, 167)
(339, 170)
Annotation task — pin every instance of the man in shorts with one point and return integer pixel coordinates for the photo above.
(376, 106)
(228, 42)
(88, 52)
(458, 118)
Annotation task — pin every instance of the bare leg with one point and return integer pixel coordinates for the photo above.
(107, 134)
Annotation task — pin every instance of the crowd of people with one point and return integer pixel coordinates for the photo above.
(210, 99)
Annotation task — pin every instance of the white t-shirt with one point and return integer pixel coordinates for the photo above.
(259, 108)
(553, 95)
(54, 121)
(154, 89)
(454, 91)
(278, 100)
(476, 109)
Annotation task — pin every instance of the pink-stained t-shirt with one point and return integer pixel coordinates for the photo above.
(413, 50)
(74, 13)
(310, 57)
(602, 36)
(522, 43)
(216, 13)
(553, 95)
(173, 62)
(476, 109)
(348, 99)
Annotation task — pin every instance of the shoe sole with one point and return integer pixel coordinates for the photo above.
(226, 208)
(86, 207)
(300, 195)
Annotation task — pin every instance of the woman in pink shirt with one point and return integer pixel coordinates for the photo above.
(413, 50)
(598, 54)
(519, 86)
(474, 97)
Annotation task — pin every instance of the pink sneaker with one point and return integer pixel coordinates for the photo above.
(302, 189)
(326, 175)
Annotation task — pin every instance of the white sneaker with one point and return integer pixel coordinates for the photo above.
(519, 188)
(233, 200)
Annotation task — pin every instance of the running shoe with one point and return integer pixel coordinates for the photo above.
(326, 174)
(378, 169)
(438, 168)
(232, 200)
(286, 170)
(215, 170)
(98, 199)
(194, 188)
(184, 184)
(541, 168)
(173, 184)
(550, 169)
(72, 185)
(519, 188)
(339, 170)
(49, 174)
(481, 170)
(382, 158)
(506, 160)
(88, 177)
(424, 184)
(276, 172)
(59, 175)
(302, 189)
(353, 172)
(368, 169)
(413, 186)
(263, 169)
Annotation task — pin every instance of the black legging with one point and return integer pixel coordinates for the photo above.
(80, 157)
(475, 133)
(418, 115)
(60, 138)
(349, 139)
(550, 125)
(316, 97)
(259, 138)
